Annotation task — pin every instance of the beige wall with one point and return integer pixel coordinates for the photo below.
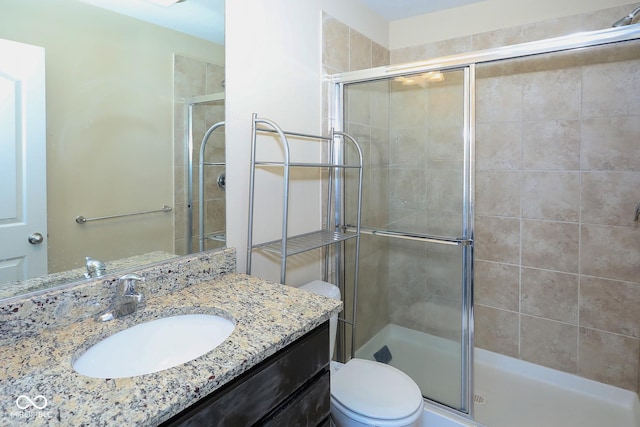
(490, 15)
(109, 124)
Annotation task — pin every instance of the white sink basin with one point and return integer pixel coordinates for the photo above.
(153, 346)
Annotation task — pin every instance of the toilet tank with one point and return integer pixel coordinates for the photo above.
(328, 290)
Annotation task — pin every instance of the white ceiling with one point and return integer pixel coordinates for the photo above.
(392, 10)
(199, 18)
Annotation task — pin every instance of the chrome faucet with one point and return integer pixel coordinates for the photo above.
(127, 300)
(95, 268)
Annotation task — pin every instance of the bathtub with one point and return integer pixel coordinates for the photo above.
(508, 392)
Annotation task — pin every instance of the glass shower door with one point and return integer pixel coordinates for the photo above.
(414, 300)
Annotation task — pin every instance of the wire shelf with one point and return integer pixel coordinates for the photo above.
(305, 242)
(308, 165)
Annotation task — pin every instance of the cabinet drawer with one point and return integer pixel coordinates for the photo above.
(310, 407)
(262, 390)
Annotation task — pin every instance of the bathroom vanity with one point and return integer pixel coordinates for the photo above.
(290, 388)
(273, 368)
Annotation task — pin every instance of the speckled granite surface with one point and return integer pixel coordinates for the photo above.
(41, 337)
(28, 315)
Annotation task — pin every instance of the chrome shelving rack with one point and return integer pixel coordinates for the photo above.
(330, 234)
(333, 232)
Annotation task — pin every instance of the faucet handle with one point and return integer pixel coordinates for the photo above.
(95, 267)
(127, 285)
(128, 299)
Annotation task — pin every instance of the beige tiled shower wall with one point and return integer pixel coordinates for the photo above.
(426, 153)
(557, 253)
(557, 260)
(193, 77)
(345, 49)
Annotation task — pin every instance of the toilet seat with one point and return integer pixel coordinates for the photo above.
(370, 391)
(340, 412)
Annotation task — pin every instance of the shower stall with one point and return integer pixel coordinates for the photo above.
(416, 134)
(476, 166)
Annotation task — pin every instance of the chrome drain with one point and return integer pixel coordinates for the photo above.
(479, 399)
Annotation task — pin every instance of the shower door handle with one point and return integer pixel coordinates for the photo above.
(454, 241)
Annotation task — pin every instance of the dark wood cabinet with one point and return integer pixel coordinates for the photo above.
(290, 388)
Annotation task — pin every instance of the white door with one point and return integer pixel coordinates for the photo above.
(23, 186)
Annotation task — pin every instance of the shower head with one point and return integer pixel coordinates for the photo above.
(623, 22)
(627, 20)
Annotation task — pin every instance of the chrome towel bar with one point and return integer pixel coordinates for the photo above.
(81, 220)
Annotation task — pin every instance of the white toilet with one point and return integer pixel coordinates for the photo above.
(367, 393)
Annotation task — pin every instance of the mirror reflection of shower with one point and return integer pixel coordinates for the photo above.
(200, 220)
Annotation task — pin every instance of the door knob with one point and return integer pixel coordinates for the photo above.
(36, 239)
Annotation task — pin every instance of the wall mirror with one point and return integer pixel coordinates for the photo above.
(127, 101)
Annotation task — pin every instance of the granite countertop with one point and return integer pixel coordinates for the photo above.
(268, 317)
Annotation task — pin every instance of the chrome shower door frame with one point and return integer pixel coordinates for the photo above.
(466, 61)
(465, 241)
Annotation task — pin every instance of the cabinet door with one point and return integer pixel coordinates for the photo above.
(309, 407)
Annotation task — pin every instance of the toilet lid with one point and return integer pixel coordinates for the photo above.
(375, 390)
